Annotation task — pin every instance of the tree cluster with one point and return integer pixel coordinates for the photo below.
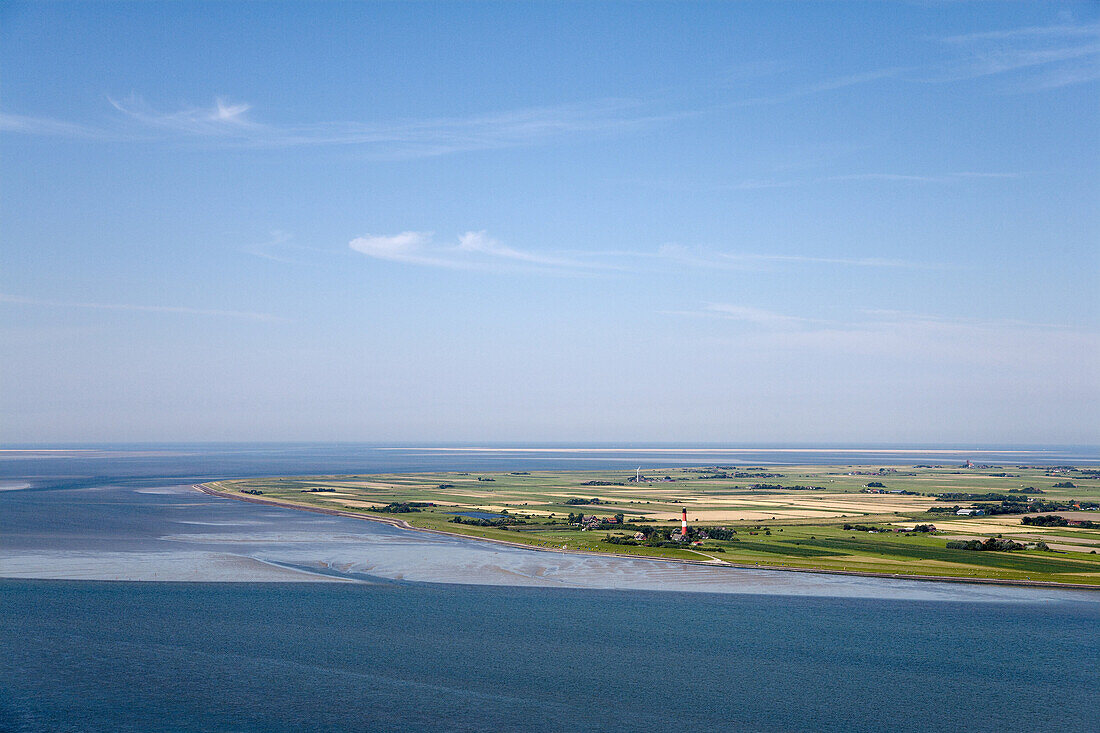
(780, 487)
(403, 507)
(865, 528)
(1046, 520)
(1015, 506)
(991, 544)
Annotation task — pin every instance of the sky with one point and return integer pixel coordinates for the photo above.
(735, 223)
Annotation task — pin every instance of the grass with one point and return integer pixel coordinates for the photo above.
(806, 524)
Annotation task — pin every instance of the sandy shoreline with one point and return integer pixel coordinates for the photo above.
(402, 524)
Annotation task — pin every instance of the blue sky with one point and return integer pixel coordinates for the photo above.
(739, 223)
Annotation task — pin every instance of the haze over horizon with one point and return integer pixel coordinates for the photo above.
(720, 223)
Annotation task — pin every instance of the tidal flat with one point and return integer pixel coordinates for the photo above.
(1015, 524)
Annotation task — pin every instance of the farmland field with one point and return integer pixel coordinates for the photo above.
(900, 520)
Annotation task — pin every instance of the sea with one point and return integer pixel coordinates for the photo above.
(129, 601)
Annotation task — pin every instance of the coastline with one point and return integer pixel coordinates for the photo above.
(207, 488)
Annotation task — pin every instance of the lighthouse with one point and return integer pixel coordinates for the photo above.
(684, 523)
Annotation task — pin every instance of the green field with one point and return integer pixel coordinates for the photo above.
(790, 516)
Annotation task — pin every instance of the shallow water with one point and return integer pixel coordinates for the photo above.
(123, 521)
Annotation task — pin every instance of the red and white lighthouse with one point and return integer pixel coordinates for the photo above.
(684, 523)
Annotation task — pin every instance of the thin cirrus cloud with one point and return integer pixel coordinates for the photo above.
(28, 125)
(755, 316)
(717, 259)
(954, 177)
(233, 123)
(281, 247)
(850, 261)
(1048, 57)
(476, 250)
(829, 85)
(182, 310)
(1059, 31)
(1044, 57)
(871, 319)
(901, 334)
(224, 118)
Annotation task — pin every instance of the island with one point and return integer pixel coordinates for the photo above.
(1009, 524)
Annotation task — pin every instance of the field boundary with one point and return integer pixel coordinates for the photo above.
(207, 488)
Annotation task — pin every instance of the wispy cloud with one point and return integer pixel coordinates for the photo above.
(821, 87)
(890, 317)
(272, 248)
(903, 334)
(733, 260)
(480, 243)
(869, 319)
(1058, 31)
(183, 310)
(223, 119)
(230, 122)
(1003, 60)
(474, 250)
(281, 247)
(850, 261)
(1046, 56)
(755, 316)
(917, 178)
(412, 248)
(233, 123)
(954, 177)
(1037, 57)
(44, 126)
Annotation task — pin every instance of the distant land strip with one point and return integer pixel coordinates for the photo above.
(847, 520)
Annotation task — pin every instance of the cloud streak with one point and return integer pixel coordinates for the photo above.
(280, 247)
(1054, 55)
(822, 87)
(232, 123)
(1042, 32)
(229, 123)
(906, 335)
(955, 177)
(473, 250)
(1045, 57)
(27, 125)
(873, 319)
(755, 316)
(182, 310)
(848, 261)
(476, 250)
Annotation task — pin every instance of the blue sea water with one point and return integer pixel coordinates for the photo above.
(423, 631)
(167, 656)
